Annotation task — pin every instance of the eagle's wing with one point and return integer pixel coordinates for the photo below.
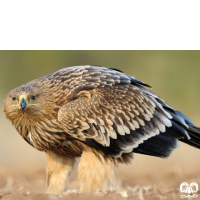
(115, 119)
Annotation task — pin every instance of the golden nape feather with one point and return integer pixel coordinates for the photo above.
(98, 114)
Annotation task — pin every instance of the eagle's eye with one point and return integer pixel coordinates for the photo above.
(33, 97)
(13, 98)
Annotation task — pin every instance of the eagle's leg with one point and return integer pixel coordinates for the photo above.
(96, 173)
(58, 171)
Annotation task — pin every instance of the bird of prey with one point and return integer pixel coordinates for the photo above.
(98, 114)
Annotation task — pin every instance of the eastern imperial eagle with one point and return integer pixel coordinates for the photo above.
(98, 114)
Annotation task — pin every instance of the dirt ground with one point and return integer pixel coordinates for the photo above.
(32, 186)
(146, 178)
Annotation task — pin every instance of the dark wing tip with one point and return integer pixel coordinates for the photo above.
(187, 120)
(136, 82)
(117, 70)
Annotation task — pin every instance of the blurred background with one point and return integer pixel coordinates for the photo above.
(174, 75)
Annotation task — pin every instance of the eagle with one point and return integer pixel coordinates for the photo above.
(99, 114)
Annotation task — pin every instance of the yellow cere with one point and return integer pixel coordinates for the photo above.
(23, 96)
(26, 99)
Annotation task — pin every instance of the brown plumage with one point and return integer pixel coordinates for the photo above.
(98, 114)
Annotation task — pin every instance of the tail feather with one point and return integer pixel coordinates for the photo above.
(194, 133)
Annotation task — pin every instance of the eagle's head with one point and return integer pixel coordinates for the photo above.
(25, 103)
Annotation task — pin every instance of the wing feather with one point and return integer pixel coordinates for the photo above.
(118, 117)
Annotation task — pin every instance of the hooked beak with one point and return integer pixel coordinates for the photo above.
(23, 104)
